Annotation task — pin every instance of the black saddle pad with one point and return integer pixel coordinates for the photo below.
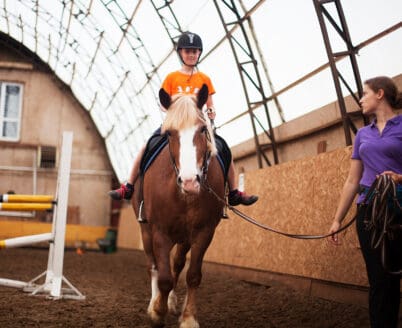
(224, 154)
(154, 146)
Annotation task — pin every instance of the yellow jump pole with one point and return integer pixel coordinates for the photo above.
(25, 206)
(6, 198)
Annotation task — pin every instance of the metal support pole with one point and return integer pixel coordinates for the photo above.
(350, 52)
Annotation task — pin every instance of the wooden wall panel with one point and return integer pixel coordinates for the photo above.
(297, 197)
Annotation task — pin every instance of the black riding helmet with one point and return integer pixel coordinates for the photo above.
(189, 40)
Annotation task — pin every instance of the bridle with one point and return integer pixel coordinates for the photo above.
(205, 162)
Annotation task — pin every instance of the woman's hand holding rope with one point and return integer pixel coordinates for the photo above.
(394, 176)
(336, 225)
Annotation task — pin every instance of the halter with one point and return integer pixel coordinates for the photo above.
(205, 162)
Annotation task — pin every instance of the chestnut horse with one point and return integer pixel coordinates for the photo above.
(178, 208)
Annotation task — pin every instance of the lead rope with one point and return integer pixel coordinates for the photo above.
(372, 190)
(383, 204)
(265, 227)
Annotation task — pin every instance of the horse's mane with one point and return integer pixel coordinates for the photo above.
(183, 114)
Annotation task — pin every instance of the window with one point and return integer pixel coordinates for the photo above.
(10, 111)
(47, 156)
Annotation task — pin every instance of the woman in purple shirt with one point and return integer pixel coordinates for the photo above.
(377, 150)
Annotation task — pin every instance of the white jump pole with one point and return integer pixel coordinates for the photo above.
(25, 240)
(13, 283)
(54, 273)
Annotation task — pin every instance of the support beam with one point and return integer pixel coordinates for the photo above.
(249, 71)
(350, 51)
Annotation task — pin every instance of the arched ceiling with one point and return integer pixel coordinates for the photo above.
(114, 55)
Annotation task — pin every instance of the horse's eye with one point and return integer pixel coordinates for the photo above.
(204, 129)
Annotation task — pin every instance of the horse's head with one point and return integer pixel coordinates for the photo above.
(191, 141)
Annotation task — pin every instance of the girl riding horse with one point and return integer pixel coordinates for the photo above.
(188, 80)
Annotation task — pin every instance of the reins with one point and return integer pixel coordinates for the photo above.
(379, 188)
(172, 160)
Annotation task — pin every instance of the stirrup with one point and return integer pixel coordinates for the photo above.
(140, 218)
(225, 215)
(225, 211)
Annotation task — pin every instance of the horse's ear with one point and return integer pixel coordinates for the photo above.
(202, 96)
(164, 98)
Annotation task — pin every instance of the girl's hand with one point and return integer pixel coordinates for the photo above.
(211, 113)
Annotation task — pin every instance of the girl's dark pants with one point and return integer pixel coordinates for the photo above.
(384, 288)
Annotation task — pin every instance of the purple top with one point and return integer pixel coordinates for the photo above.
(379, 152)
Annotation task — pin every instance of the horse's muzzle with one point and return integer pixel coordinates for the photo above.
(190, 185)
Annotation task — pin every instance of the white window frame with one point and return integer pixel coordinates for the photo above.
(3, 86)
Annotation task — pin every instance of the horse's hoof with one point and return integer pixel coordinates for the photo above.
(172, 303)
(156, 325)
(189, 322)
(157, 320)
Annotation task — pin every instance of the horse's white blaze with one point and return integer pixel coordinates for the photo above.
(188, 155)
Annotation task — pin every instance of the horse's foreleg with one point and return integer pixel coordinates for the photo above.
(179, 262)
(162, 281)
(148, 248)
(193, 279)
(151, 268)
(151, 264)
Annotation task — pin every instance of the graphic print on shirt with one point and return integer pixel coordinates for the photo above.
(187, 90)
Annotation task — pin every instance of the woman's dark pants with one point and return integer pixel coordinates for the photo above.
(384, 291)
